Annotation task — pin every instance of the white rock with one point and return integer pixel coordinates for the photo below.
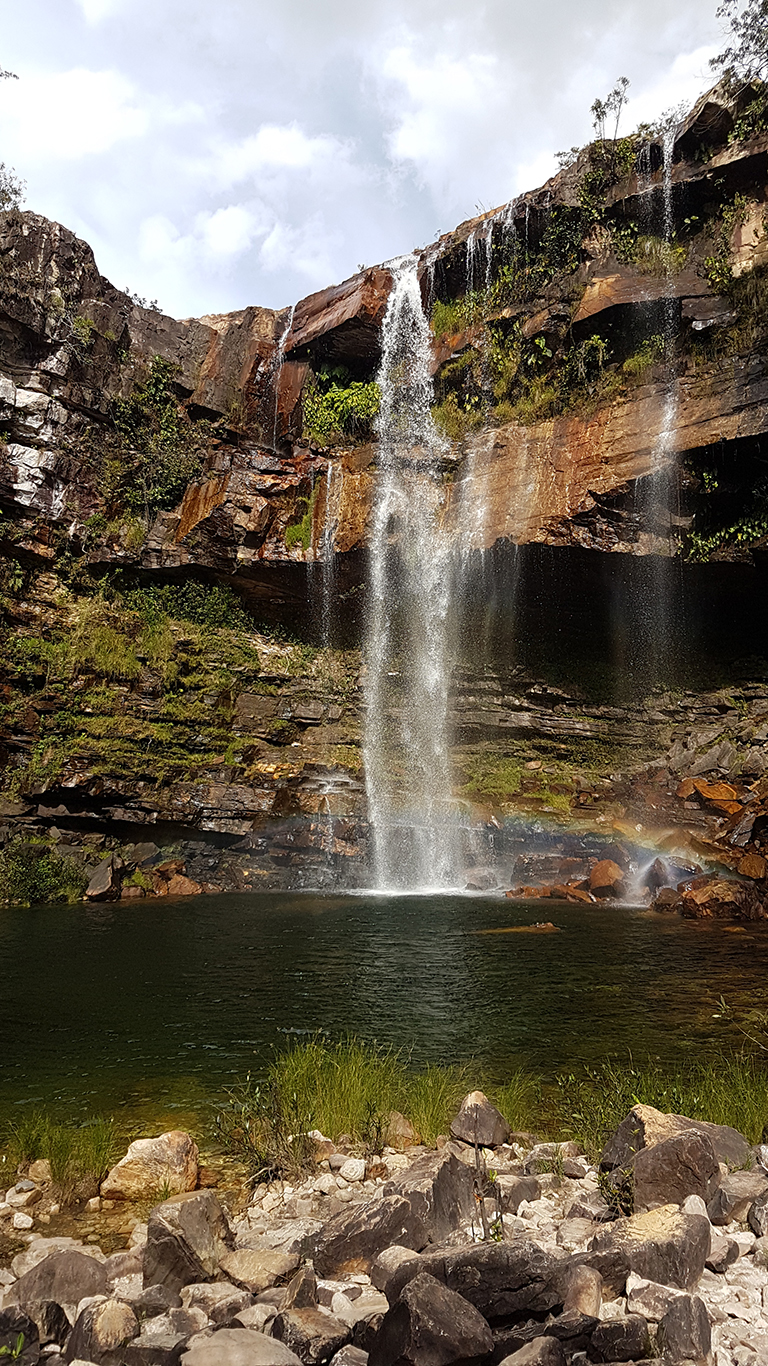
(745, 1240)
(326, 1184)
(22, 1221)
(138, 1235)
(353, 1169)
(611, 1310)
(693, 1204)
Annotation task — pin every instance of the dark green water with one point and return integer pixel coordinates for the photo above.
(149, 1008)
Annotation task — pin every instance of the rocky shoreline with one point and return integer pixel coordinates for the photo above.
(491, 1248)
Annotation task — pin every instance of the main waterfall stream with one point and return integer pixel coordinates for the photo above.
(407, 671)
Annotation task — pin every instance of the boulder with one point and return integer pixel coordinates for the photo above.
(218, 1300)
(606, 879)
(105, 882)
(15, 1324)
(430, 1325)
(65, 1276)
(51, 1322)
(163, 1338)
(738, 1191)
(719, 898)
(393, 1268)
(684, 1332)
(187, 1236)
(439, 1188)
(256, 1269)
(649, 1298)
(584, 1292)
(479, 1122)
(350, 1356)
(661, 1245)
(301, 1291)
(672, 1170)
(238, 1347)
(624, 1339)
(312, 1334)
(101, 1331)
(400, 1132)
(644, 1127)
(501, 1279)
(723, 1252)
(351, 1241)
(169, 1161)
(513, 1190)
(155, 1300)
(757, 1217)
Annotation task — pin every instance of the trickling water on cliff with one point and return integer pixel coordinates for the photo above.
(407, 669)
(657, 496)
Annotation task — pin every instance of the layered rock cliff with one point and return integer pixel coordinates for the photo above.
(600, 379)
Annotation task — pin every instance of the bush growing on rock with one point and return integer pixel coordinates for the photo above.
(31, 874)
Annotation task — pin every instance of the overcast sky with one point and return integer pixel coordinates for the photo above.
(228, 152)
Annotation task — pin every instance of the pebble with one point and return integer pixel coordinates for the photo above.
(22, 1221)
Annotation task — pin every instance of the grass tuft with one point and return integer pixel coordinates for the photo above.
(75, 1152)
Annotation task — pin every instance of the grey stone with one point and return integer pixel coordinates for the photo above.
(502, 1280)
(14, 1322)
(584, 1291)
(187, 1236)
(661, 1245)
(515, 1189)
(256, 1269)
(684, 1331)
(103, 885)
(723, 1252)
(301, 1291)
(672, 1170)
(738, 1190)
(154, 1300)
(350, 1356)
(479, 1122)
(430, 1325)
(101, 1332)
(393, 1268)
(589, 1205)
(65, 1276)
(624, 1339)
(649, 1298)
(757, 1217)
(238, 1347)
(51, 1321)
(439, 1188)
(219, 1301)
(644, 1126)
(311, 1333)
(352, 1240)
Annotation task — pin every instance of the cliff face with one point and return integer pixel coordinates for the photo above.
(599, 361)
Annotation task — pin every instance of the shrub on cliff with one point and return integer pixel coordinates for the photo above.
(337, 407)
(33, 874)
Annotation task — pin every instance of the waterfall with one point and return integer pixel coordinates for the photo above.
(277, 365)
(326, 547)
(658, 500)
(407, 672)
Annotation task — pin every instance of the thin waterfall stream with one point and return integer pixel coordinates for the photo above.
(414, 843)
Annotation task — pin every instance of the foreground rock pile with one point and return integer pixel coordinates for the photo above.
(491, 1249)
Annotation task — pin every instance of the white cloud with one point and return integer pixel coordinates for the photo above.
(96, 10)
(275, 149)
(68, 115)
(681, 83)
(229, 232)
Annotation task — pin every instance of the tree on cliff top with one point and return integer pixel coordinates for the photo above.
(746, 58)
(11, 188)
